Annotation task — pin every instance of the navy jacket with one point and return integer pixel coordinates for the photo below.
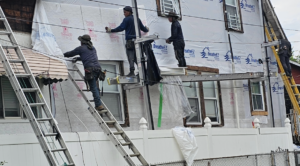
(128, 26)
(89, 57)
(176, 32)
(285, 48)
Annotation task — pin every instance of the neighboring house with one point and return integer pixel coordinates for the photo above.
(205, 28)
(296, 71)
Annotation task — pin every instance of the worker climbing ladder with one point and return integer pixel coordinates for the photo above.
(289, 82)
(111, 122)
(32, 101)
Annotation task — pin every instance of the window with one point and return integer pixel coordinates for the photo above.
(233, 17)
(166, 6)
(9, 103)
(113, 94)
(204, 98)
(257, 98)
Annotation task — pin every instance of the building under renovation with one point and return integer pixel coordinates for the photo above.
(230, 97)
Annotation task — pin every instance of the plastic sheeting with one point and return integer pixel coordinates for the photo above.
(175, 102)
(187, 143)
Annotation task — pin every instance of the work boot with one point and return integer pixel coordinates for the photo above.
(99, 108)
(130, 74)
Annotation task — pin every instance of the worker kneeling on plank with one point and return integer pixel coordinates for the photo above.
(285, 52)
(128, 26)
(92, 68)
(177, 39)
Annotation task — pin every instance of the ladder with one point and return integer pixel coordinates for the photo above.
(112, 122)
(289, 82)
(52, 143)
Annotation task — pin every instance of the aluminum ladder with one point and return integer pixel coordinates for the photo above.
(24, 94)
(105, 125)
(289, 82)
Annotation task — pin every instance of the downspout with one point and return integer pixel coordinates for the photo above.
(262, 15)
(233, 71)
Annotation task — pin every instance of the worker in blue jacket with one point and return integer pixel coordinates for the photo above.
(92, 68)
(177, 39)
(128, 26)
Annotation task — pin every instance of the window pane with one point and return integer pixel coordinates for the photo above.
(110, 74)
(230, 2)
(255, 88)
(11, 102)
(195, 117)
(1, 105)
(257, 102)
(209, 89)
(211, 109)
(113, 103)
(190, 91)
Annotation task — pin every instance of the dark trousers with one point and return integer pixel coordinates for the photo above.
(131, 56)
(94, 88)
(285, 61)
(179, 52)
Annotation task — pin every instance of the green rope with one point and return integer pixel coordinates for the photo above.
(160, 105)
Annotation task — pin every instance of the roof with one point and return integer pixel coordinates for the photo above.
(295, 63)
(46, 68)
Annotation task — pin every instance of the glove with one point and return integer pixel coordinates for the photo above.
(168, 41)
(74, 60)
(147, 28)
(108, 30)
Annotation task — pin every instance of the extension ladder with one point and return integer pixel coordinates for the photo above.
(112, 135)
(29, 105)
(289, 82)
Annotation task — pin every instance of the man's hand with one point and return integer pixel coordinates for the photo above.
(168, 41)
(74, 60)
(147, 28)
(108, 30)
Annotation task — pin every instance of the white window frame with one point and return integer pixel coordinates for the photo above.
(175, 7)
(120, 90)
(262, 96)
(190, 72)
(236, 17)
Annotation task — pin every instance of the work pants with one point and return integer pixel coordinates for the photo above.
(285, 61)
(131, 56)
(94, 88)
(179, 52)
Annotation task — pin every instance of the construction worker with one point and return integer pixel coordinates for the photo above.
(128, 26)
(92, 68)
(285, 52)
(177, 39)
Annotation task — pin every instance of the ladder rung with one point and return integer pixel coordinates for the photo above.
(50, 134)
(78, 79)
(43, 119)
(110, 122)
(102, 111)
(71, 164)
(73, 69)
(9, 47)
(125, 144)
(16, 61)
(30, 89)
(58, 150)
(36, 104)
(2, 19)
(297, 94)
(85, 90)
(4, 33)
(91, 101)
(118, 133)
(135, 155)
(293, 85)
(23, 75)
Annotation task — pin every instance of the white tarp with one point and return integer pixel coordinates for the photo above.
(43, 40)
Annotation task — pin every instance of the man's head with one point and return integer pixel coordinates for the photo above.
(172, 16)
(84, 38)
(127, 11)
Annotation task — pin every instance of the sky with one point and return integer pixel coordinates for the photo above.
(289, 16)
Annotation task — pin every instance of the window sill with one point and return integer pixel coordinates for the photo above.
(14, 120)
(259, 113)
(234, 30)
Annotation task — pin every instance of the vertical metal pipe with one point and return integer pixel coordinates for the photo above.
(142, 69)
(267, 63)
